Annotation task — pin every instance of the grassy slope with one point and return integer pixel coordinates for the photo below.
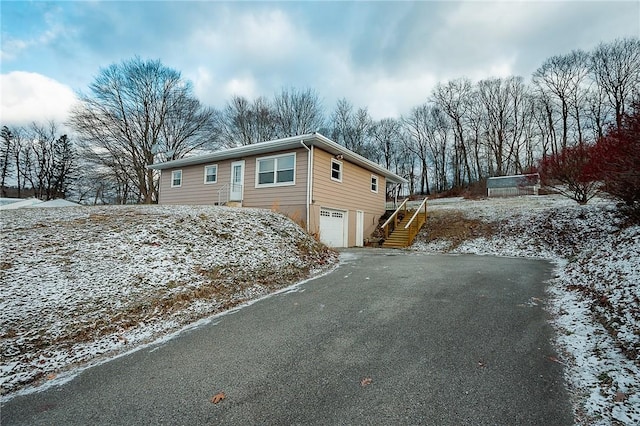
(78, 283)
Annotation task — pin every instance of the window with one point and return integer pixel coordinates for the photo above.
(211, 174)
(336, 170)
(276, 171)
(176, 178)
(374, 183)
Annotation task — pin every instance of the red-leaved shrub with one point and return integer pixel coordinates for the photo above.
(616, 163)
(568, 172)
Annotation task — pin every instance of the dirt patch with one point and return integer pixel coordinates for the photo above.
(454, 228)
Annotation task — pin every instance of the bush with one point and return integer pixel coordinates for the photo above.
(616, 163)
(568, 173)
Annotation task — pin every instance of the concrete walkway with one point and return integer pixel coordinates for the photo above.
(390, 337)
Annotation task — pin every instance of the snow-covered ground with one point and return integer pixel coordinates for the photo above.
(594, 297)
(81, 283)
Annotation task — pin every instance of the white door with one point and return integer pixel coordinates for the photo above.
(359, 228)
(333, 227)
(237, 181)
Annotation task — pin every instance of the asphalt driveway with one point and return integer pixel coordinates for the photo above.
(390, 337)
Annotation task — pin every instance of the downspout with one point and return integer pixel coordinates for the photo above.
(309, 179)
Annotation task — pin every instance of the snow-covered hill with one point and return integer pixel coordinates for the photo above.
(595, 296)
(81, 283)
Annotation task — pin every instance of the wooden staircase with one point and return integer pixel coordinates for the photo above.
(400, 232)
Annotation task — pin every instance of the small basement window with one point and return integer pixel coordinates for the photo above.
(176, 178)
(211, 174)
(336, 170)
(374, 183)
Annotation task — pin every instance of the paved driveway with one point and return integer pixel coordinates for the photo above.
(388, 338)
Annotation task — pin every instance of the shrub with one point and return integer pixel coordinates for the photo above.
(616, 163)
(568, 173)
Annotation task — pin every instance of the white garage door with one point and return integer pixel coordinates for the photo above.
(332, 227)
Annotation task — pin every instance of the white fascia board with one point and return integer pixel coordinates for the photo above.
(237, 152)
(315, 139)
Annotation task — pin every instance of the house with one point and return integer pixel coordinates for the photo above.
(333, 192)
(509, 186)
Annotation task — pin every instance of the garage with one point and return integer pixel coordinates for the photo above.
(333, 227)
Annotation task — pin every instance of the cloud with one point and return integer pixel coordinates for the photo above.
(28, 97)
(386, 56)
(47, 33)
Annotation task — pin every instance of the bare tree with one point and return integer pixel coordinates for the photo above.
(7, 138)
(351, 128)
(386, 136)
(453, 99)
(44, 161)
(420, 129)
(506, 109)
(245, 123)
(17, 150)
(616, 69)
(40, 144)
(137, 113)
(297, 112)
(560, 79)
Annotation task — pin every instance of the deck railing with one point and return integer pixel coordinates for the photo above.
(392, 223)
(416, 221)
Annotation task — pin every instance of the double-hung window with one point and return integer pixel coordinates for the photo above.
(211, 174)
(277, 170)
(336, 170)
(374, 183)
(176, 178)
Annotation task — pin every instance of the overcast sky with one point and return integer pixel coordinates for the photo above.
(383, 55)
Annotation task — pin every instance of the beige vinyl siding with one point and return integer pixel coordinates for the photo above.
(193, 189)
(290, 200)
(283, 195)
(353, 193)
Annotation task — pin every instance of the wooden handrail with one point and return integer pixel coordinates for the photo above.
(424, 203)
(394, 218)
(414, 225)
(395, 213)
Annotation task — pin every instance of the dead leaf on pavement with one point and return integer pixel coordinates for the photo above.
(218, 397)
(365, 381)
(620, 397)
(554, 359)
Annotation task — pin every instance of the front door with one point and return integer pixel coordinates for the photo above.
(237, 181)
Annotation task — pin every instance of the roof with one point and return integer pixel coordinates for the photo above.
(55, 203)
(33, 203)
(20, 204)
(310, 139)
(513, 181)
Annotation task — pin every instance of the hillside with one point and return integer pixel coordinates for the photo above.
(594, 297)
(79, 284)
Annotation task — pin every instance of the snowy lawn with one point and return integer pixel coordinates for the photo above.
(81, 283)
(594, 297)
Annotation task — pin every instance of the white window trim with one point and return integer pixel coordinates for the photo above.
(205, 174)
(275, 171)
(173, 179)
(333, 160)
(377, 183)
